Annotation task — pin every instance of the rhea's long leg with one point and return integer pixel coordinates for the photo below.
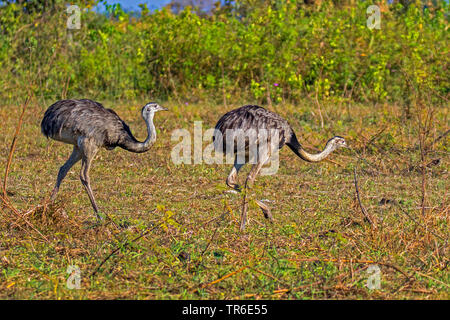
(89, 151)
(249, 183)
(254, 171)
(232, 177)
(264, 208)
(86, 181)
(256, 168)
(74, 158)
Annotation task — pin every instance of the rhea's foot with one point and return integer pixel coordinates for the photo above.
(265, 210)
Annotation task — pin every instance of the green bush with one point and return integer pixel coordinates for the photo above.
(283, 50)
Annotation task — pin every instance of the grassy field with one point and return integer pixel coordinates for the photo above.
(177, 233)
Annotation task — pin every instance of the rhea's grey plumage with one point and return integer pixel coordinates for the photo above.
(253, 118)
(88, 126)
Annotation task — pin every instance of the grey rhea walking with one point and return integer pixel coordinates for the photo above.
(248, 121)
(88, 126)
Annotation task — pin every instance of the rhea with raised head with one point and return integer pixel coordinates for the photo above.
(89, 126)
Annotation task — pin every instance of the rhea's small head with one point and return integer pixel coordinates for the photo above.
(151, 108)
(337, 142)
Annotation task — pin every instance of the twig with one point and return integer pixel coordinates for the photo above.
(418, 223)
(5, 198)
(319, 109)
(13, 145)
(363, 210)
(124, 244)
(221, 217)
(297, 288)
(267, 275)
(427, 276)
(14, 210)
(441, 137)
(396, 268)
(223, 278)
(223, 87)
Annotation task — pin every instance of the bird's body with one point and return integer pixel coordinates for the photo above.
(88, 126)
(249, 121)
(248, 118)
(69, 120)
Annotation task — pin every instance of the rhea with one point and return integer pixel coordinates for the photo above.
(248, 122)
(89, 126)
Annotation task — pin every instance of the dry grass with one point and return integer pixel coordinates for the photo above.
(319, 246)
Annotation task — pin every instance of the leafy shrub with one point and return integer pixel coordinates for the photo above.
(283, 50)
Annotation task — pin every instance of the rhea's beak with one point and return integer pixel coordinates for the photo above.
(164, 109)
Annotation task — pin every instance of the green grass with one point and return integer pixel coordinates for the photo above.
(319, 246)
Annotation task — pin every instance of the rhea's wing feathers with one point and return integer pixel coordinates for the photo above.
(252, 117)
(83, 118)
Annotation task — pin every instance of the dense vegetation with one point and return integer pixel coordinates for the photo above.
(382, 202)
(264, 50)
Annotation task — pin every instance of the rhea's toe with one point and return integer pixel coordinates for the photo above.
(265, 209)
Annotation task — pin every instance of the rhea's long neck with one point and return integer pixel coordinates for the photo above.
(303, 154)
(133, 145)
